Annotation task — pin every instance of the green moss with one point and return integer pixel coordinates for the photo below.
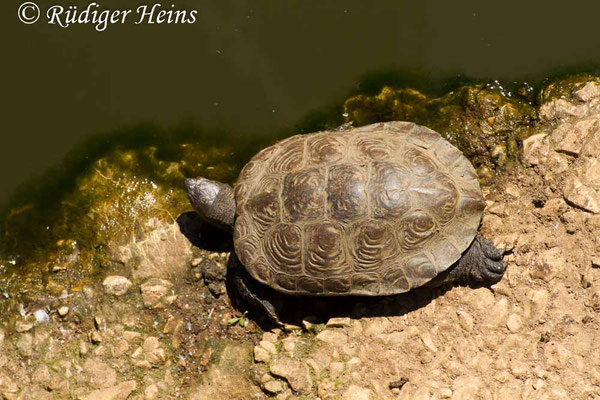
(564, 86)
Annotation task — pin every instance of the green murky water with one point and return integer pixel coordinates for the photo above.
(142, 106)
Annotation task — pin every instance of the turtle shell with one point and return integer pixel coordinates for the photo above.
(375, 210)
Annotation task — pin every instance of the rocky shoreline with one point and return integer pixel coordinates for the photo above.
(154, 321)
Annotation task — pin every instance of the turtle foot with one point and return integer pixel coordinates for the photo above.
(248, 294)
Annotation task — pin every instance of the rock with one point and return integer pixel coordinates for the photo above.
(98, 374)
(594, 299)
(63, 311)
(535, 149)
(557, 163)
(41, 375)
(588, 92)
(336, 369)
(354, 362)
(357, 393)
(95, 337)
(116, 285)
(119, 392)
(7, 385)
(338, 322)
(23, 326)
(25, 345)
(274, 386)
(290, 344)
(513, 323)
(596, 262)
(151, 392)
(579, 195)
(376, 326)
(334, 338)
(261, 355)
(570, 138)
(536, 304)
(211, 271)
(556, 355)
(268, 346)
(550, 262)
(465, 320)
(154, 290)
(164, 253)
(153, 352)
(559, 109)
(295, 372)
(590, 172)
(428, 342)
(270, 336)
(466, 387)
(41, 316)
(497, 313)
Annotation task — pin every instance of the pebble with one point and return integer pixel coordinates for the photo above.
(151, 392)
(536, 304)
(99, 374)
(153, 291)
(428, 342)
(63, 311)
(261, 355)
(465, 320)
(153, 352)
(118, 392)
(334, 338)
(25, 345)
(336, 369)
(576, 193)
(274, 386)
(588, 92)
(41, 316)
(595, 262)
(338, 322)
(116, 285)
(513, 323)
(357, 393)
(95, 337)
(22, 326)
(268, 346)
(295, 372)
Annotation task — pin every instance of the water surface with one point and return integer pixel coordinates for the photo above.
(256, 66)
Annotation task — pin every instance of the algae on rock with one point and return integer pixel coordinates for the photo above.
(481, 120)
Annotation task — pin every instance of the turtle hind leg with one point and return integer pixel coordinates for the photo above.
(247, 293)
(481, 263)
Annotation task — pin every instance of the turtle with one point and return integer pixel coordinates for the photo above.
(370, 211)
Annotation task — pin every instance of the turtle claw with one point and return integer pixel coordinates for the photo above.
(490, 268)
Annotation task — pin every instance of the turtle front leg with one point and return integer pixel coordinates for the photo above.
(480, 263)
(213, 201)
(247, 292)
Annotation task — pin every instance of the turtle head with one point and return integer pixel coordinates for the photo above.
(213, 201)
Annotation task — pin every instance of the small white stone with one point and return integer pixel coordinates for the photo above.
(41, 316)
(513, 323)
(63, 311)
(116, 285)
